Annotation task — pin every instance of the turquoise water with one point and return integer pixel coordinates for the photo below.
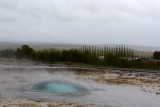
(59, 86)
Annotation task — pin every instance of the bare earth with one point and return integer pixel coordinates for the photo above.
(30, 103)
(146, 80)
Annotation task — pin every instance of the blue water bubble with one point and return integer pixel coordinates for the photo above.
(60, 86)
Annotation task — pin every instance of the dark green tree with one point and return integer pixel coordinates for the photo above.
(156, 55)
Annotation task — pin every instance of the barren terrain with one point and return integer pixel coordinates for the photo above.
(108, 87)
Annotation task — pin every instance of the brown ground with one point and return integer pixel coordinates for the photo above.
(30, 103)
(147, 81)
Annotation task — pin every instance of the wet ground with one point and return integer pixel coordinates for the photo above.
(105, 87)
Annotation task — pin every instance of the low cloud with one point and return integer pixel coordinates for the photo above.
(107, 21)
(83, 10)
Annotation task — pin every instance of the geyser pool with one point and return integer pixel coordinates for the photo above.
(59, 86)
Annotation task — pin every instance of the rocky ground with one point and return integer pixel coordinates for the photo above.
(30, 103)
(148, 81)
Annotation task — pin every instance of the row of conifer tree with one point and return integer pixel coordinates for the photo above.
(119, 56)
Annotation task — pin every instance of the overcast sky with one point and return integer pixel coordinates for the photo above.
(135, 22)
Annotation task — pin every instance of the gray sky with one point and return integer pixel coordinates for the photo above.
(135, 22)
